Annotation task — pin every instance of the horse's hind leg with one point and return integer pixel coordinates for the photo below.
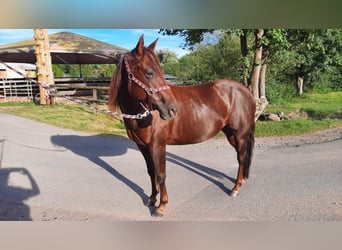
(243, 144)
(152, 173)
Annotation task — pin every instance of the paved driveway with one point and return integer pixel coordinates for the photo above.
(49, 173)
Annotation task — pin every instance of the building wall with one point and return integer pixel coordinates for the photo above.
(25, 68)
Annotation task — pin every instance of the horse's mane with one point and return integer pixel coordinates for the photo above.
(115, 86)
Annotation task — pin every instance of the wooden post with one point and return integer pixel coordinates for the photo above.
(300, 83)
(44, 66)
(95, 99)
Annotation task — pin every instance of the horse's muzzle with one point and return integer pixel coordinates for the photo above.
(167, 112)
(172, 111)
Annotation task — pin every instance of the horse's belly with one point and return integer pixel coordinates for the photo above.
(193, 133)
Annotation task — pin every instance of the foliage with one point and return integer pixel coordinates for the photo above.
(87, 70)
(169, 62)
(166, 56)
(315, 55)
(191, 36)
(212, 61)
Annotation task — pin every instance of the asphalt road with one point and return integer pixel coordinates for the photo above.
(49, 173)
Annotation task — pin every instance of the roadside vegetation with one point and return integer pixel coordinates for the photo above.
(323, 111)
(310, 113)
(70, 116)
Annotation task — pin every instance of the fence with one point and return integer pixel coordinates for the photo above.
(16, 89)
(89, 89)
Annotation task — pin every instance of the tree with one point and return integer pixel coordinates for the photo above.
(166, 55)
(212, 61)
(244, 54)
(193, 37)
(169, 62)
(309, 57)
(255, 75)
(187, 66)
(316, 52)
(272, 41)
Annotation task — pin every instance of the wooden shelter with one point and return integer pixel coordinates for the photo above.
(65, 48)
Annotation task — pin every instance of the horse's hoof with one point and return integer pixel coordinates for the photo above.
(157, 214)
(150, 202)
(234, 193)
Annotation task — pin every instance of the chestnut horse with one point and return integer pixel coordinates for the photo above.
(163, 114)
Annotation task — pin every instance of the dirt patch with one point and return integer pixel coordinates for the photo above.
(312, 138)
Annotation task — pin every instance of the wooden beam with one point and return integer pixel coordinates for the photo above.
(44, 66)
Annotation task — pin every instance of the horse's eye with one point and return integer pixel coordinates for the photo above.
(149, 74)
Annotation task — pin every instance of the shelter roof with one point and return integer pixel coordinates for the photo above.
(65, 48)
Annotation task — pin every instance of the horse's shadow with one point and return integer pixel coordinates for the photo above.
(96, 146)
(205, 172)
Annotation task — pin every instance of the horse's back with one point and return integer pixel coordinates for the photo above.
(222, 86)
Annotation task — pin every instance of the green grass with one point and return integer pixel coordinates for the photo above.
(318, 106)
(294, 127)
(324, 111)
(75, 117)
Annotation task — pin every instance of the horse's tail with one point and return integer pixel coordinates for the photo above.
(248, 154)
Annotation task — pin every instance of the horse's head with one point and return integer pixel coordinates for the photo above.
(146, 81)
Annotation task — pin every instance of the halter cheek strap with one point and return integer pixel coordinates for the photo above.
(149, 91)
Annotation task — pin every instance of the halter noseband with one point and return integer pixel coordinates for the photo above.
(131, 77)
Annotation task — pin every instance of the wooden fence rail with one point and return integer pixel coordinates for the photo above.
(90, 89)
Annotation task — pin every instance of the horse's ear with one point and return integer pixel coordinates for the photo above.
(152, 46)
(140, 46)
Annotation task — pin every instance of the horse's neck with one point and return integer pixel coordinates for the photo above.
(129, 105)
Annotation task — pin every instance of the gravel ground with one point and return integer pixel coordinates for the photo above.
(312, 138)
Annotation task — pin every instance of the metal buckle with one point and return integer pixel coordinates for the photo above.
(141, 116)
(130, 76)
(151, 91)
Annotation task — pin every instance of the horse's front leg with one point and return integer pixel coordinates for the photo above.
(158, 152)
(152, 173)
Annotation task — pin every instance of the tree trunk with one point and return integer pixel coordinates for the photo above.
(44, 67)
(262, 80)
(257, 63)
(244, 51)
(300, 83)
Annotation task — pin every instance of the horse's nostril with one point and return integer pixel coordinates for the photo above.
(172, 111)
